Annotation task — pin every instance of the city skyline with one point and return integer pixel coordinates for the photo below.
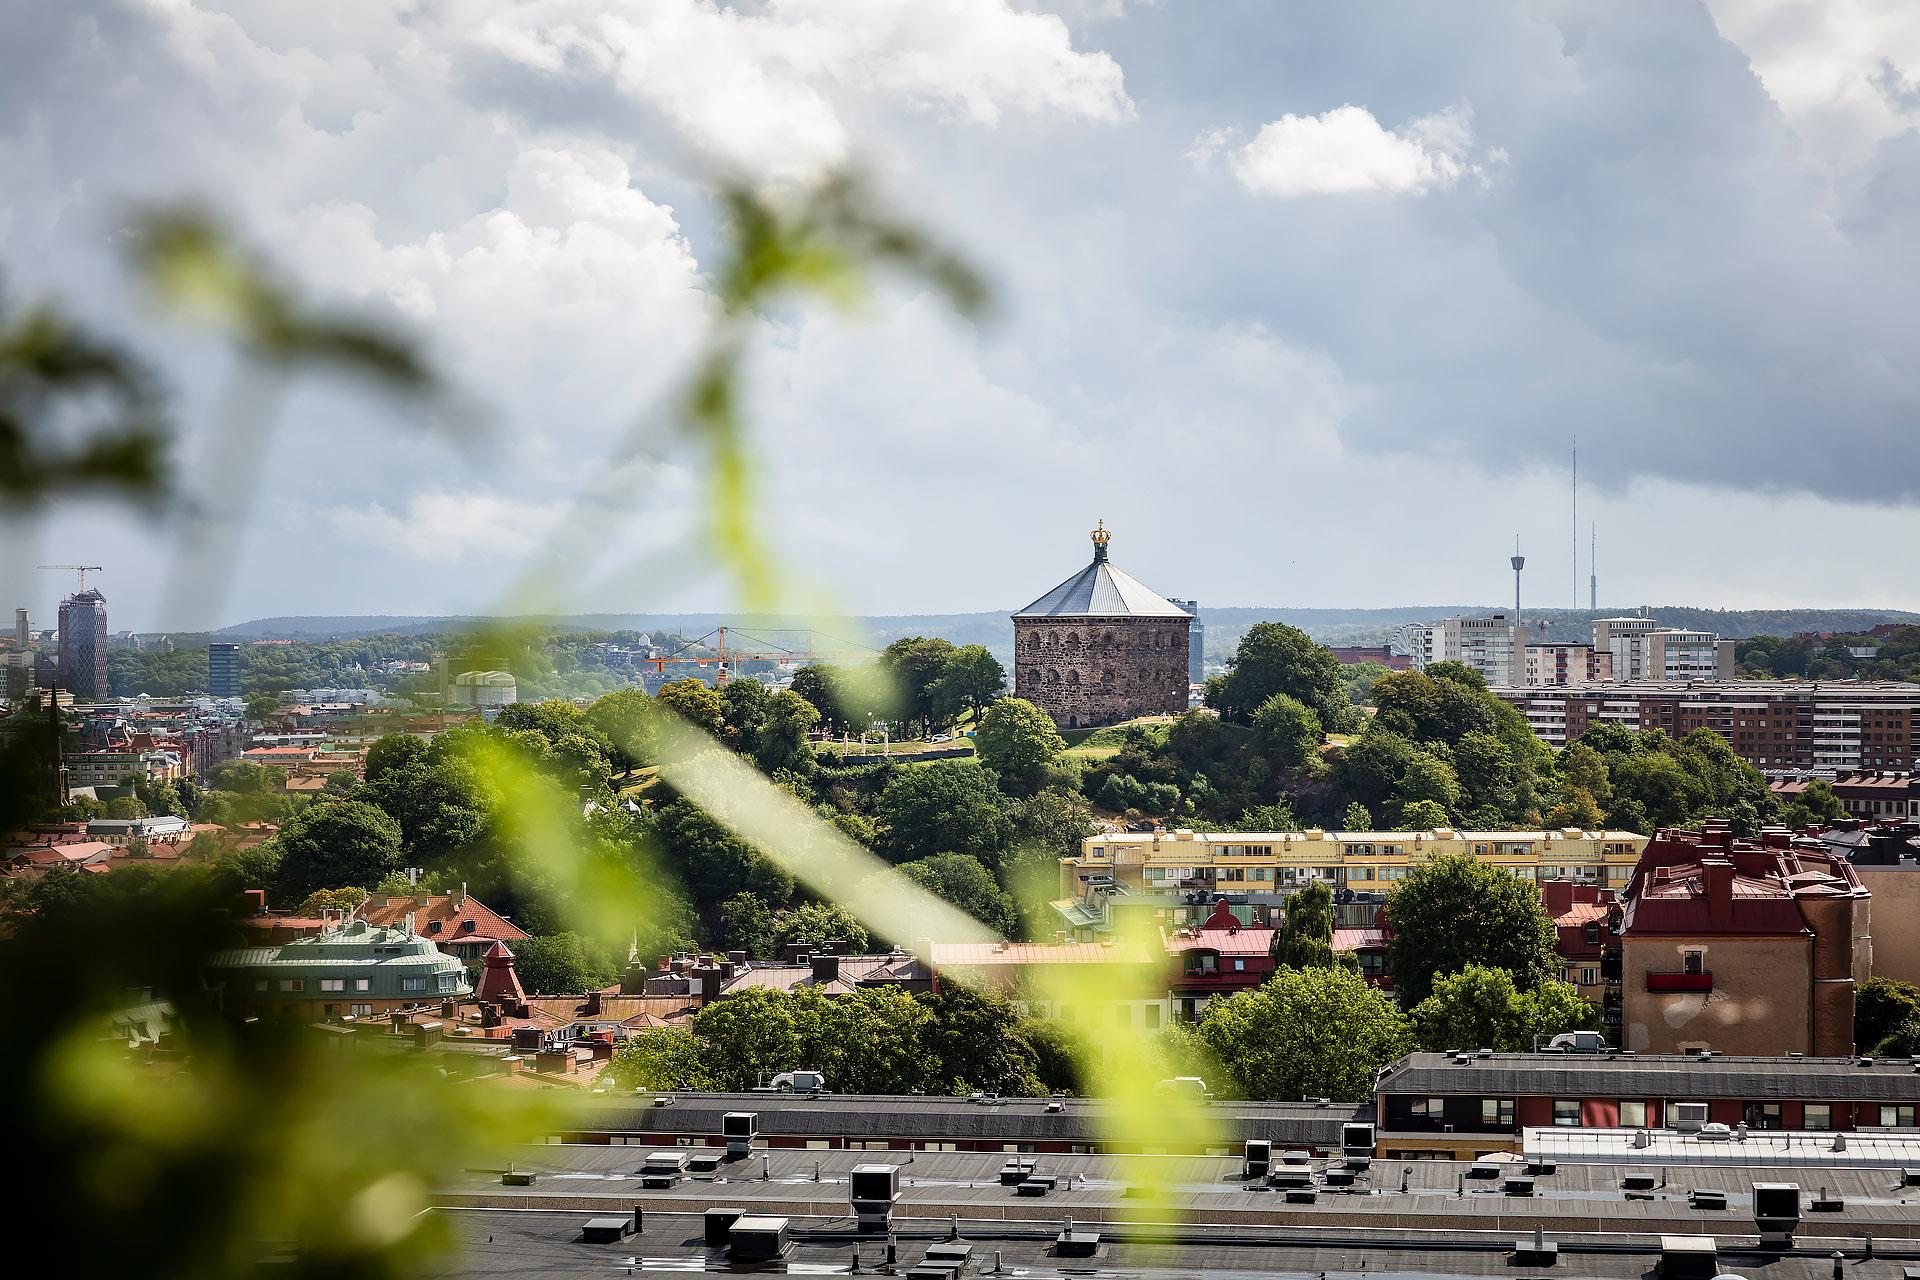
(1493, 234)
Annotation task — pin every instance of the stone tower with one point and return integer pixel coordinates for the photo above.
(1101, 648)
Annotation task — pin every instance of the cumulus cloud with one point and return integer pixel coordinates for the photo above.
(440, 528)
(1346, 151)
(1842, 70)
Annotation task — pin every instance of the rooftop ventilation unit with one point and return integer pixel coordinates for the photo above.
(1259, 1157)
(758, 1238)
(1689, 1258)
(1356, 1139)
(1689, 1117)
(875, 1187)
(516, 1178)
(662, 1169)
(740, 1128)
(719, 1225)
(1036, 1184)
(1016, 1171)
(1776, 1212)
(606, 1230)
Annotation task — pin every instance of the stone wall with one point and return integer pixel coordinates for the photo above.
(1095, 671)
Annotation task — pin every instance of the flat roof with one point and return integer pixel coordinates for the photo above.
(1678, 1076)
(1769, 1148)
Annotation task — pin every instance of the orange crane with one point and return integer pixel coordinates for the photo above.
(725, 658)
(82, 569)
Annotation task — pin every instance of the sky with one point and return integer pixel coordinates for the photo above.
(1307, 301)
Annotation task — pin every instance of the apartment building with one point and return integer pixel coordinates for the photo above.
(1641, 650)
(1492, 646)
(1175, 878)
(1569, 665)
(1842, 725)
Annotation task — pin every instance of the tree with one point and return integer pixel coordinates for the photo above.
(1356, 818)
(1368, 771)
(944, 805)
(625, 716)
(712, 862)
(748, 1038)
(745, 923)
(158, 797)
(341, 782)
(340, 842)
(443, 808)
(1480, 1008)
(913, 664)
(1275, 658)
(395, 753)
(1288, 730)
(342, 899)
(744, 706)
(1429, 778)
(815, 923)
(261, 707)
(1305, 1033)
(1018, 740)
(975, 1042)
(1422, 815)
(1304, 938)
(1581, 768)
(561, 964)
(661, 1058)
(1453, 911)
(971, 679)
(1879, 1008)
(696, 702)
(964, 881)
(122, 807)
(819, 685)
(781, 742)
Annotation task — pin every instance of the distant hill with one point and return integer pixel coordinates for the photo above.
(1224, 625)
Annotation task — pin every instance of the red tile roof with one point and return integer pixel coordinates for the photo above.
(450, 911)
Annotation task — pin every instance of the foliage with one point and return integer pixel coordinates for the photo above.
(1305, 1033)
(340, 842)
(1018, 740)
(965, 881)
(1304, 937)
(1880, 1006)
(1656, 780)
(662, 1058)
(780, 739)
(1453, 911)
(971, 679)
(940, 806)
(696, 702)
(342, 899)
(1480, 1008)
(817, 923)
(561, 964)
(1288, 730)
(1274, 658)
(744, 922)
(713, 863)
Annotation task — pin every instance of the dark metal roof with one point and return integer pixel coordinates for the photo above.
(1654, 1076)
(866, 1117)
(1102, 591)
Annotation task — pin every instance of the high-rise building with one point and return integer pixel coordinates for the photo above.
(1644, 650)
(1494, 646)
(83, 644)
(223, 669)
(1196, 643)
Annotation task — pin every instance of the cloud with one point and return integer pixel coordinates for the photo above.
(1346, 152)
(441, 528)
(756, 88)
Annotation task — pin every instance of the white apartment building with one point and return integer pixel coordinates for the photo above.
(1566, 665)
(1642, 651)
(1491, 645)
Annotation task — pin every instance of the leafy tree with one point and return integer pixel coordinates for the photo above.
(1275, 658)
(1480, 1008)
(975, 1042)
(696, 702)
(971, 679)
(1581, 768)
(1453, 911)
(159, 797)
(443, 808)
(712, 862)
(395, 753)
(1305, 1033)
(261, 707)
(744, 703)
(815, 923)
(1421, 815)
(1880, 1006)
(913, 664)
(561, 964)
(1289, 732)
(1575, 808)
(126, 807)
(745, 923)
(1304, 937)
(1429, 778)
(342, 899)
(943, 805)
(964, 881)
(781, 741)
(341, 842)
(1356, 818)
(1018, 740)
(662, 1058)
(748, 1038)
(1368, 771)
(625, 717)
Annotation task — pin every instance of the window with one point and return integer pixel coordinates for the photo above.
(1901, 1117)
(1589, 976)
(361, 1010)
(291, 984)
(1239, 966)
(1566, 1111)
(1819, 1115)
(1693, 961)
(333, 984)
(413, 984)
(1151, 1016)
(1633, 1115)
(1762, 1115)
(1496, 1111)
(1427, 1108)
(259, 984)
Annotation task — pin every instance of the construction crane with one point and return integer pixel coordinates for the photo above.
(725, 658)
(82, 569)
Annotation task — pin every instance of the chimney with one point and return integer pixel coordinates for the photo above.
(836, 946)
(460, 898)
(593, 1004)
(726, 971)
(739, 958)
(1719, 885)
(826, 969)
(709, 980)
(664, 964)
(797, 952)
(257, 899)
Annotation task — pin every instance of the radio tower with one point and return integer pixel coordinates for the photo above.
(1593, 570)
(1576, 522)
(1518, 562)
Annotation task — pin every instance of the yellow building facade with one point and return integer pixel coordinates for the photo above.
(1146, 863)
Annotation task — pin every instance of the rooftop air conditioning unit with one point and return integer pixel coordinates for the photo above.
(1688, 1117)
(740, 1128)
(874, 1188)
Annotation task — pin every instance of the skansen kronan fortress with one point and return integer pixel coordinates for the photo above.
(1102, 647)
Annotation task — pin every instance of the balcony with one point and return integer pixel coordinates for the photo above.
(1679, 982)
